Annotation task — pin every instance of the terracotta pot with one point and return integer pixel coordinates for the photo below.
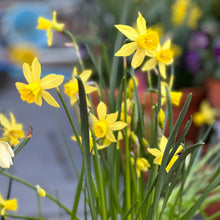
(198, 94)
(213, 92)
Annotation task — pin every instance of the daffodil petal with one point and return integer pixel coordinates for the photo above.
(141, 24)
(4, 121)
(118, 125)
(162, 69)
(126, 49)
(38, 100)
(36, 70)
(166, 45)
(128, 31)
(85, 75)
(175, 97)
(163, 143)
(154, 151)
(49, 98)
(111, 118)
(43, 23)
(51, 81)
(20, 85)
(49, 36)
(89, 89)
(149, 65)
(138, 58)
(110, 136)
(27, 73)
(101, 111)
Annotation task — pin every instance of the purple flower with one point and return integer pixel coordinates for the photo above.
(217, 50)
(198, 40)
(192, 61)
(217, 54)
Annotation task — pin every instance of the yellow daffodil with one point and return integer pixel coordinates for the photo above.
(10, 204)
(71, 87)
(106, 124)
(40, 191)
(48, 25)
(185, 11)
(143, 41)
(163, 57)
(6, 154)
(205, 115)
(35, 90)
(12, 131)
(141, 165)
(175, 96)
(158, 153)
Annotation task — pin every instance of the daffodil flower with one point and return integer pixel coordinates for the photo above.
(185, 11)
(105, 124)
(141, 165)
(12, 131)
(143, 41)
(175, 96)
(48, 25)
(9, 204)
(158, 153)
(71, 87)
(163, 57)
(205, 115)
(35, 90)
(6, 154)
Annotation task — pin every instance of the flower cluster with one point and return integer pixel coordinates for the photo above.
(114, 133)
(145, 42)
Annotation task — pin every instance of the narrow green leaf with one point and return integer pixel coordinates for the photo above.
(77, 194)
(85, 147)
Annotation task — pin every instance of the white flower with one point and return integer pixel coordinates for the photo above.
(6, 154)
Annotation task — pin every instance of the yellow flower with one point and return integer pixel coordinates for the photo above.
(185, 11)
(6, 154)
(35, 90)
(143, 41)
(12, 131)
(163, 57)
(40, 191)
(106, 124)
(194, 16)
(158, 153)
(206, 114)
(10, 204)
(71, 87)
(141, 165)
(22, 53)
(48, 25)
(174, 95)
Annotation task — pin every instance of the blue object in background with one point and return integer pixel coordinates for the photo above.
(19, 23)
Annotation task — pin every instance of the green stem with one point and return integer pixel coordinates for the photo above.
(127, 149)
(39, 207)
(24, 217)
(70, 119)
(33, 187)
(70, 35)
